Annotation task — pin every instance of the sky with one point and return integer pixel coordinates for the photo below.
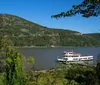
(40, 12)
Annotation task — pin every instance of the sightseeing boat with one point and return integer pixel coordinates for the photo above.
(72, 56)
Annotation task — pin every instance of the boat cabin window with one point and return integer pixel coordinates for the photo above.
(75, 59)
(75, 56)
(70, 56)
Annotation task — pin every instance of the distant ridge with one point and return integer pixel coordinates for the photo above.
(26, 33)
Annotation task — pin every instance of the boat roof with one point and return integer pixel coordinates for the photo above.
(68, 52)
(75, 54)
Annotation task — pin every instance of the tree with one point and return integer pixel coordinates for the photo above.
(84, 75)
(4, 44)
(13, 69)
(14, 73)
(87, 8)
(98, 70)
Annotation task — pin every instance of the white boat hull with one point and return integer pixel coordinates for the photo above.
(61, 60)
(72, 56)
(82, 58)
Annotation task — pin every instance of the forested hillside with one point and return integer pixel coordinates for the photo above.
(26, 33)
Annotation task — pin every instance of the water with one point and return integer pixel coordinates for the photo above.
(45, 57)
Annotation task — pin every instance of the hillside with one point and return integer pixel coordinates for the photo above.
(94, 36)
(26, 33)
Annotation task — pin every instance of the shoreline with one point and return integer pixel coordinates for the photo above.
(53, 46)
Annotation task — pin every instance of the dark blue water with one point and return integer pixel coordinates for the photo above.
(45, 57)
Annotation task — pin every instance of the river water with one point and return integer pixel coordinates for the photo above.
(45, 58)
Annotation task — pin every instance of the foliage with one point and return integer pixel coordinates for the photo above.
(4, 47)
(25, 33)
(66, 75)
(31, 60)
(98, 70)
(13, 70)
(87, 8)
(72, 74)
(13, 73)
(84, 75)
